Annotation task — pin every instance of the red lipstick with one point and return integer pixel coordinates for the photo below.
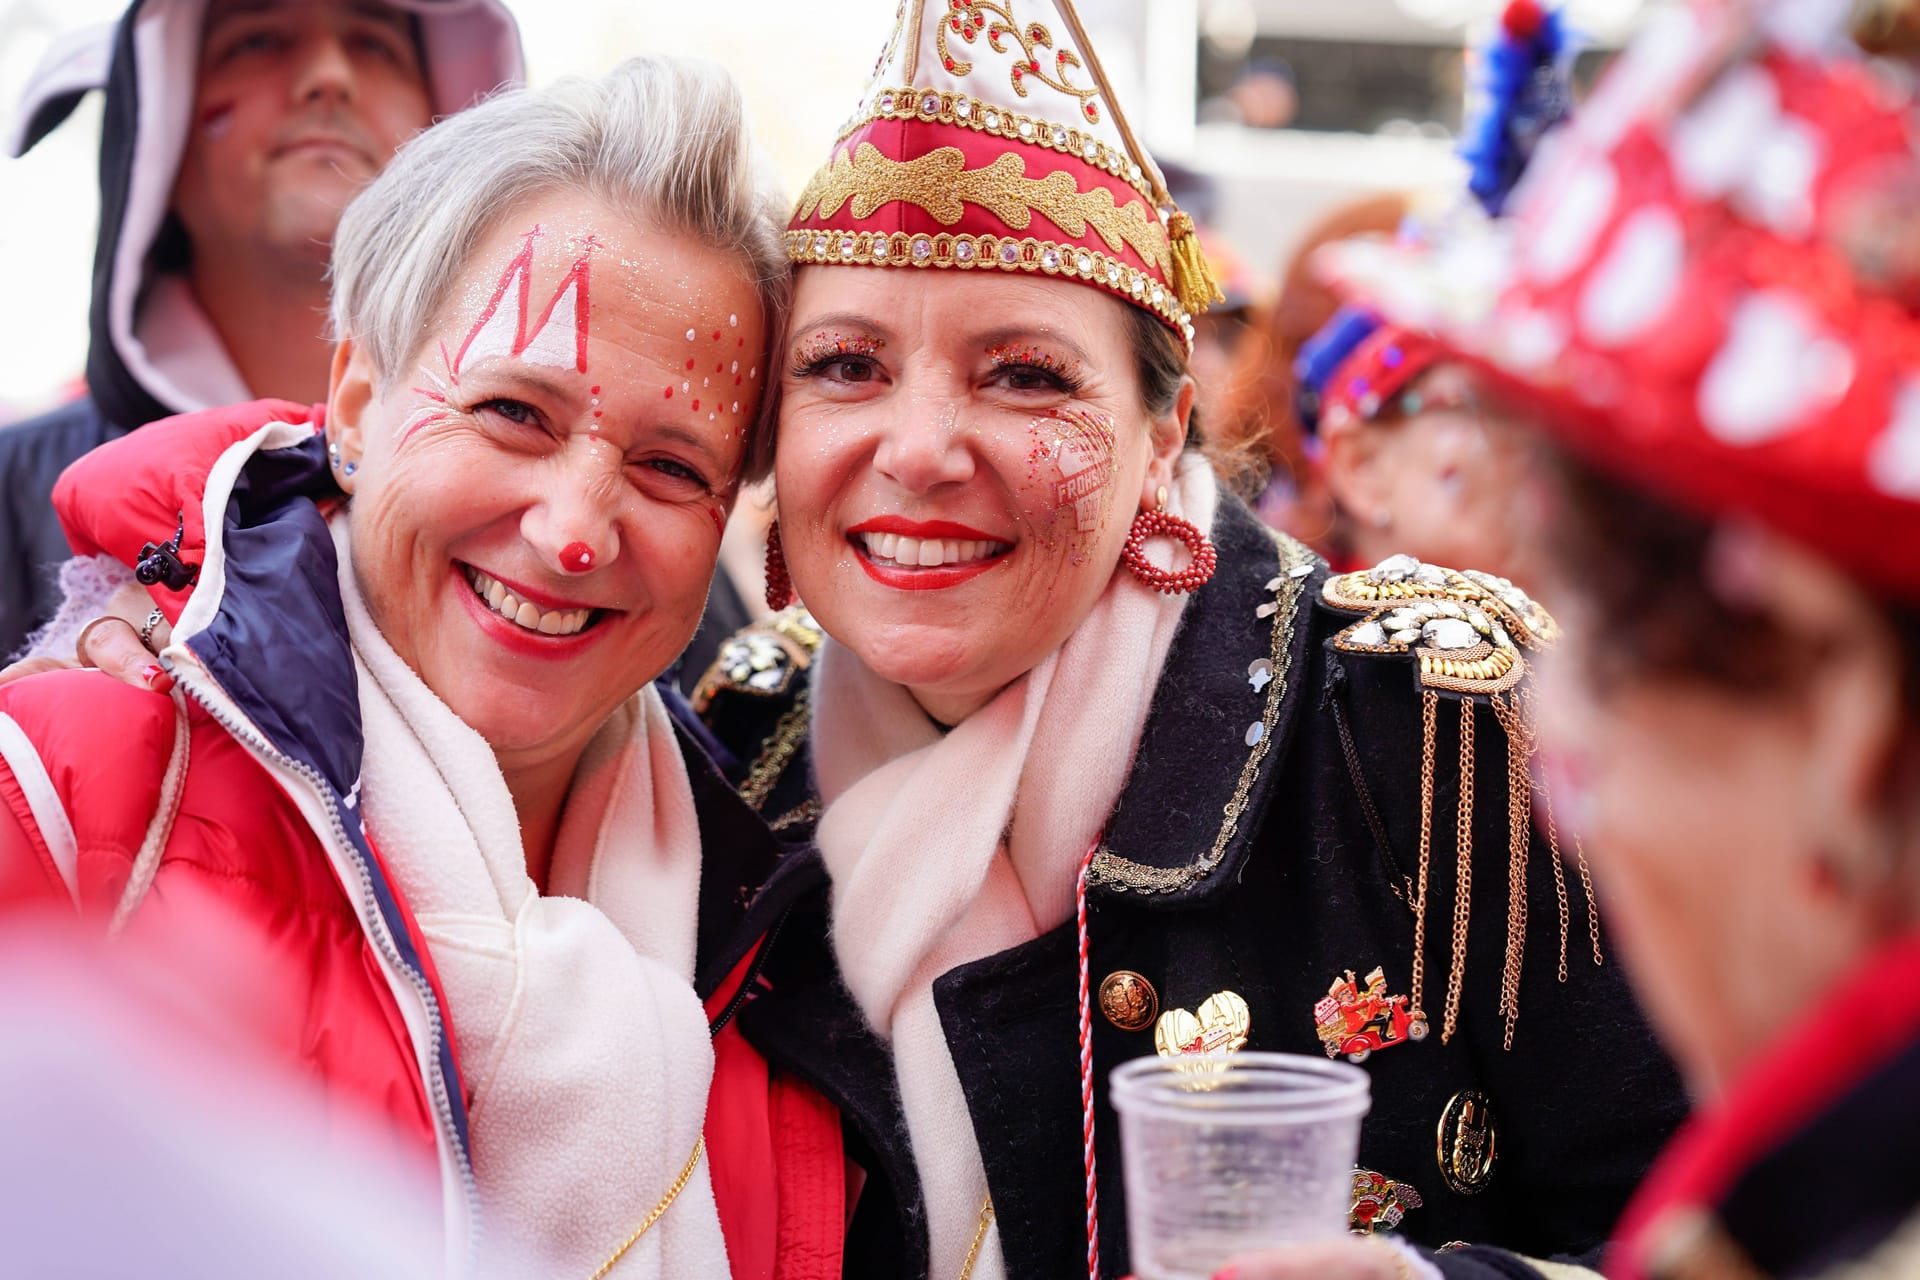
(925, 529)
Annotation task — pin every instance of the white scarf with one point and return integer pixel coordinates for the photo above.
(947, 848)
(574, 1015)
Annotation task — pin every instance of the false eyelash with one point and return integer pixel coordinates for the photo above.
(1064, 373)
(823, 347)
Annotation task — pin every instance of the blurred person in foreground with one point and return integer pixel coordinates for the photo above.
(1720, 355)
(234, 134)
(413, 742)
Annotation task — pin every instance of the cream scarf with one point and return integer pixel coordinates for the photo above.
(947, 848)
(574, 1015)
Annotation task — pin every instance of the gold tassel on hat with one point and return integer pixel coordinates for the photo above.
(1193, 282)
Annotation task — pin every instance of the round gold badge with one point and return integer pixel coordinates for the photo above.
(1466, 1142)
(1128, 1000)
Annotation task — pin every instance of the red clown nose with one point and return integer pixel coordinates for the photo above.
(576, 557)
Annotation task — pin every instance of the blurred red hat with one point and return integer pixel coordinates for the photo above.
(1710, 278)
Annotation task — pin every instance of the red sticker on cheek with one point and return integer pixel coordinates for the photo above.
(1073, 454)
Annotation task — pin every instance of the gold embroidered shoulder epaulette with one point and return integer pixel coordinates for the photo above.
(762, 660)
(1468, 631)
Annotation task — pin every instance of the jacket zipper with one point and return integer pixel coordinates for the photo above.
(436, 1028)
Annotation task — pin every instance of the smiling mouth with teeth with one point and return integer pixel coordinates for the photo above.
(898, 551)
(524, 613)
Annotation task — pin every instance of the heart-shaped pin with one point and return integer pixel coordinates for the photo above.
(1220, 1026)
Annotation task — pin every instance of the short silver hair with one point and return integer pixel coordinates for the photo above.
(665, 137)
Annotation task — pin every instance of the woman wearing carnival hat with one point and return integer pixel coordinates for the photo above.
(1730, 414)
(1077, 710)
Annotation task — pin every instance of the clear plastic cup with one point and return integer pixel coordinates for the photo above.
(1227, 1153)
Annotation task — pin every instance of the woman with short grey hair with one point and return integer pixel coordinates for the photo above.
(412, 761)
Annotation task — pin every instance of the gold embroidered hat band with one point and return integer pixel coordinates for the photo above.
(988, 139)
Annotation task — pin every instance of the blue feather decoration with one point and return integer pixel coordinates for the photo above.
(1322, 355)
(1522, 88)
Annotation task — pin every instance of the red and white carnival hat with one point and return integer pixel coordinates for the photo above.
(988, 139)
(1710, 280)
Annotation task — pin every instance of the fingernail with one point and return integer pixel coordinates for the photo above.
(157, 678)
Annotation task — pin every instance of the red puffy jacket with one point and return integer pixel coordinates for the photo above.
(237, 797)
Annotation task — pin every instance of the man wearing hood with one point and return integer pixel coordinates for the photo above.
(235, 132)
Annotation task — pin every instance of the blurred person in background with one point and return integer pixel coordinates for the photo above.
(1405, 449)
(1224, 329)
(413, 741)
(1729, 428)
(1258, 419)
(235, 133)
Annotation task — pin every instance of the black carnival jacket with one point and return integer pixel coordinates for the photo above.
(1267, 864)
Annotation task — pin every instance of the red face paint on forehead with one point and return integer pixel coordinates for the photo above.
(513, 330)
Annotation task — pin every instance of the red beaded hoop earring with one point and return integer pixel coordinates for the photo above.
(779, 585)
(1153, 524)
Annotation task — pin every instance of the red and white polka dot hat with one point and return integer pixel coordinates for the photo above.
(1711, 279)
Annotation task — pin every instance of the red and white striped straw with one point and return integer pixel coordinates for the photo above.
(1086, 1066)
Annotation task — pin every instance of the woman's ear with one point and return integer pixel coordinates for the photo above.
(1166, 440)
(350, 391)
(1848, 704)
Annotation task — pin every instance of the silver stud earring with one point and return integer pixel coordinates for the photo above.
(349, 469)
(333, 454)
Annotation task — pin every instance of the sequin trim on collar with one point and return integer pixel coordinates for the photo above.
(1123, 875)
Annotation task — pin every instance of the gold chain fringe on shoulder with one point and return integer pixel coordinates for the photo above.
(1467, 633)
(1429, 712)
(1463, 872)
(659, 1210)
(1519, 829)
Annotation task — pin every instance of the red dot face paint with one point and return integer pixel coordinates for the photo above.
(576, 557)
(669, 393)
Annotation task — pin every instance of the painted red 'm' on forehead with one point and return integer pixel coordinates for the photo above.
(515, 331)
